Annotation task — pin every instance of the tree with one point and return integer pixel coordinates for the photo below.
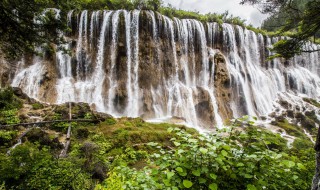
(25, 24)
(302, 20)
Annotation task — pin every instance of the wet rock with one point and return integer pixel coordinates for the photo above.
(280, 119)
(290, 113)
(101, 116)
(284, 104)
(222, 85)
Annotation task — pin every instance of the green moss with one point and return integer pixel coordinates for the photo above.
(291, 129)
(135, 131)
(110, 121)
(37, 106)
(312, 101)
(301, 144)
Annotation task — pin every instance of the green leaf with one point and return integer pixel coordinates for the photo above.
(251, 187)
(294, 177)
(170, 129)
(176, 143)
(226, 147)
(192, 140)
(169, 175)
(166, 182)
(213, 176)
(179, 169)
(187, 183)
(213, 186)
(202, 180)
(248, 176)
(180, 151)
(224, 153)
(196, 172)
(240, 164)
(289, 163)
(301, 166)
(203, 150)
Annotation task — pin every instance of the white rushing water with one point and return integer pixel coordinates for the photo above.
(180, 81)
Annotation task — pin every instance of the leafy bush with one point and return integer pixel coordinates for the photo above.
(8, 100)
(234, 159)
(9, 117)
(7, 136)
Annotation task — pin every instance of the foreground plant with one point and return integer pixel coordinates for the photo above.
(249, 158)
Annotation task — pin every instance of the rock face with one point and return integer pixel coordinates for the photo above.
(222, 83)
(143, 64)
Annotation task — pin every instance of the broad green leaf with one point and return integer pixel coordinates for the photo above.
(294, 177)
(179, 169)
(248, 176)
(170, 129)
(224, 153)
(187, 183)
(213, 176)
(240, 164)
(169, 175)
(176, 143)
(202, 180)
(203, 150)
(167, 182)
(196, 172)
(180, 151)
(213, 186)
(251, 187)
(301, 166)
(226, 147)
(289, 163)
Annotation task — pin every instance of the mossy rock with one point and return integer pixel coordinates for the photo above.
(37, 135)
(37, 106)
(312, 101)
(291, 129)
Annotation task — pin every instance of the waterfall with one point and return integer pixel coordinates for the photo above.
(143, 64)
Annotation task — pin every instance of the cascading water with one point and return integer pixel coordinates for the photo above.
(143, 64)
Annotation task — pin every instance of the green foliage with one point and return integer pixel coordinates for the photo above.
(298, 17)
(250, 159)
(7, 136)
(9, 117)
(37, 106)
(27, 167)
(110, 121)
(291, 129)
(8, 100)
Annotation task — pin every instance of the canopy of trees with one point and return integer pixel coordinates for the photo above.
(299, 17)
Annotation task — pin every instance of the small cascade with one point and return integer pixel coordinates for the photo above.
(30, 77)
(143, 64)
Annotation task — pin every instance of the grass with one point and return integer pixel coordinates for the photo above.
(134, 132)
